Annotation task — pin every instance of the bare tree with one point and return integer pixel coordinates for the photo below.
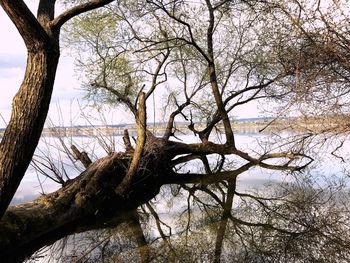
(208, 70)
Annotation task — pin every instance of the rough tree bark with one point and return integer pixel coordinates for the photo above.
(85, 202)
(31, 103)
(90, 200)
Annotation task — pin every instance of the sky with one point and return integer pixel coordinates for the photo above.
(12, 66)
(67, 96)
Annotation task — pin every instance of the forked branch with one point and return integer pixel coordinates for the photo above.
(58, 22)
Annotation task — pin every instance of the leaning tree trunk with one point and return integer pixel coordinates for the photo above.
(30, 107)
(40, 34)
(91, 199)
(86, 202)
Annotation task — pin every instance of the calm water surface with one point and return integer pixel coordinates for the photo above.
(263, 216)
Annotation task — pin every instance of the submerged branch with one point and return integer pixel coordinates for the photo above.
(187, 178)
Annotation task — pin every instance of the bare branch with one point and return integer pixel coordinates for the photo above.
(140, 143)
(187, 178)
(81, 156)
(127, 143)
(77, 10)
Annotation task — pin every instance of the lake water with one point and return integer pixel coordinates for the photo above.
(263, 216)
(325, 164)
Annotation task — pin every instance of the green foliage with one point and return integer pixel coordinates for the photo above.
(164, 46)
(108, 75)
(136, 45)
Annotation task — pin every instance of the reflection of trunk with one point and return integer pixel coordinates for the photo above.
(172, 253)
(30, 106)
(142, 244)
(223, 222)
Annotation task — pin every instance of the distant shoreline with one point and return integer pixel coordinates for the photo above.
(246, 126)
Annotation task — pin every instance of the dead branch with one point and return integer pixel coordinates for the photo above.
(81, 156)
(127, 142)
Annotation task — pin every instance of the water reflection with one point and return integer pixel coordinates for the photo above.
(258, 215)
(284, 222)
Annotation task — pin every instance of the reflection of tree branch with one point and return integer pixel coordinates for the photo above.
(206, 165)
(336, 149)
(220, 163)
(160, 230)
(96, 245)
(188, 225)
(227, 206)
(286, 166)
(265, 226)
(204, 189)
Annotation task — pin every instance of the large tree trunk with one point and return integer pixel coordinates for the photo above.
(90, 200)
(31, 103)
(86, 202)
(30, 107)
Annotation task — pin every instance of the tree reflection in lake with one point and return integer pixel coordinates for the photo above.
(291, 221)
